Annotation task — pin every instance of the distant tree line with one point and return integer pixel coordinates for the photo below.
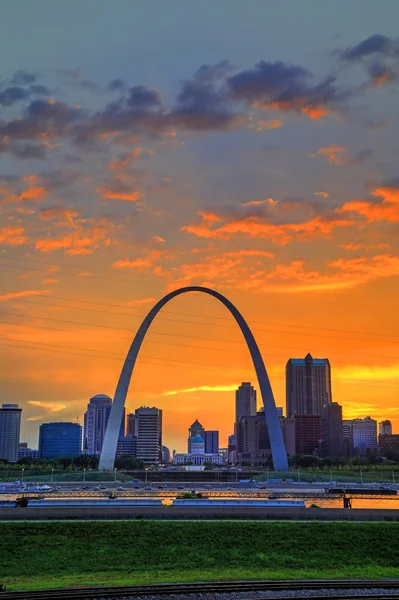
(67, 463)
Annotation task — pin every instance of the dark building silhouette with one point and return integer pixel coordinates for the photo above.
(332, 439)
(127, 445)
(131, 424)
(10, 426)
(288, 428)
(385, 428)
(308, 385)
(389, 443)
(253, 445)
(307, 433)
(245, 401)
(211, 439)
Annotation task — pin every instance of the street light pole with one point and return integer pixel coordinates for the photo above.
(146, 471)
(84, 474)
(115, 475)
(22, 475)
(52, 475)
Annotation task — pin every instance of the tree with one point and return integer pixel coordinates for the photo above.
(64, 461)
(129, 463)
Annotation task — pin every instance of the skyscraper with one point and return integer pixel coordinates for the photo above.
(131, 424)
(363, 434)
(245, 401)
(10, 427)
(211, 442)
(95, 423)
(149, 434)
(308, 385)
(60, 439)
(332, 430)
(385, 428)
(253, 445)
(307, 433)
(288, 428)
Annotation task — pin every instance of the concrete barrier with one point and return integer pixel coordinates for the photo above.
(195, 512)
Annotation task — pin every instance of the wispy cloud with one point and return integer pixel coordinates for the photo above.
(22, 293)
(203, 388)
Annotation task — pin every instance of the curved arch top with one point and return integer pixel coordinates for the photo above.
(108, 452)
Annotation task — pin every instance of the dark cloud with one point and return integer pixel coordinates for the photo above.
(41, 118)
(13, 94)
(209, 73)
(267, 80)
(380, 73)
(23, 78)
(143, 98)
(375, 44)
(202, 106)
(117, 85)
(285, 87)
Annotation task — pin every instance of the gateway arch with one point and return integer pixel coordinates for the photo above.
(108, 452)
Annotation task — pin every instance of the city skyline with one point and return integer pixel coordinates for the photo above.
(244, 390)
(266, 170)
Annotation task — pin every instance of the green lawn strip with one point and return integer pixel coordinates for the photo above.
(57, 554)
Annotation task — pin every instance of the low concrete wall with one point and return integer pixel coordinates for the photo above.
(194, 512)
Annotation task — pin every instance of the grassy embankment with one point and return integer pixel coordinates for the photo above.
(56, 554)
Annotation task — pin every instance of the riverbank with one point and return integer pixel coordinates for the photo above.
(56, 554)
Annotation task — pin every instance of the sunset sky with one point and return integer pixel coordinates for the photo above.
(249, 146)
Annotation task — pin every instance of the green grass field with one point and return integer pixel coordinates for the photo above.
(56, 554)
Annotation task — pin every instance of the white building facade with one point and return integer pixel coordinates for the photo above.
(197, 456)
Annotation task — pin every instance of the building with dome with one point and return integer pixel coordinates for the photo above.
(198, 456)
(95, 423)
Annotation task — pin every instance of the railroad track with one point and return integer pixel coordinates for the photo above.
(223, 587)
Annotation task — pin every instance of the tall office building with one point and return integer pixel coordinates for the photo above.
(60, 439)
(195, 429)
(131, 424)
(10, 427)
(308, 385)
(149, 434)
(385, 428)
(288, 428)
(245, 401)
(211, 439)
(95, 423)
(253, 445)
(347, 438)
(232, 449)
(165, 455)
(363, 435)
(332, 438)
(307, 434)
(127, 445)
